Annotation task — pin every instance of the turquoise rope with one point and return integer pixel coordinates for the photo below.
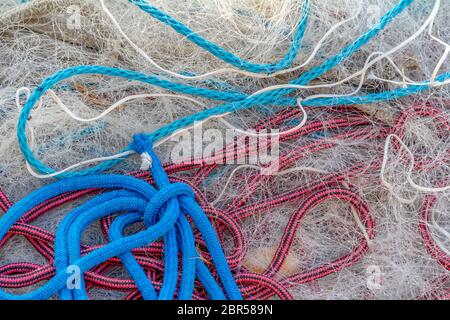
(277, 97)
(221, 53)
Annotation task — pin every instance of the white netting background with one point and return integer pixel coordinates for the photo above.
(42, 36)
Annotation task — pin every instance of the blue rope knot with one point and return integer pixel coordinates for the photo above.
(158, 201)
(166, 212)
(141, 143)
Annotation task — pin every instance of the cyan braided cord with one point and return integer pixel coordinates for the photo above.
(164, 212)
(277, 97)
(224, 55)
(136, 76)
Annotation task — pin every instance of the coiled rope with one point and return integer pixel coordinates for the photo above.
(165, 213)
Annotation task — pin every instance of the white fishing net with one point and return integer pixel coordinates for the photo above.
(40, 37)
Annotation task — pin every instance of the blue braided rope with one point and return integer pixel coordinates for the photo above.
(224, 55)
(164, 212)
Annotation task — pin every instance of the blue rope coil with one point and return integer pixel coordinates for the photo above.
(165, 213)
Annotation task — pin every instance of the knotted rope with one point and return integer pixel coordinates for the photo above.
(165, 212)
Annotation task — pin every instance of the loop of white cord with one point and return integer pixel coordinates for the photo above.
(409, 171)
(115, 106)
(369, 63)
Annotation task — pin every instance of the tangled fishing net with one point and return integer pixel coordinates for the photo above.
(355, 204)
